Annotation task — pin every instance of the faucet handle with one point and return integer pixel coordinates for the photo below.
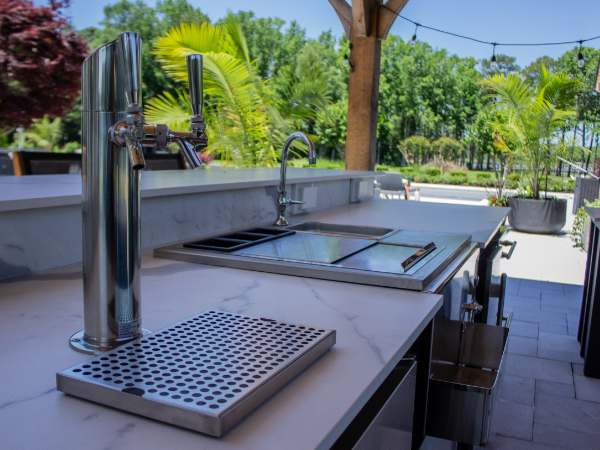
(195, 80)
(130, 49)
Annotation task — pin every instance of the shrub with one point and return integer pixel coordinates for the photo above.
(331, 166)
(380, 168)
(483, 176)
(408, 172)
(415, 148)
(514, 176)
(447, 148)
(458, 174)
(432, 171)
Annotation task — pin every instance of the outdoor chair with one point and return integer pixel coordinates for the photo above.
(394, 184)
(45, 163)
(164, 161)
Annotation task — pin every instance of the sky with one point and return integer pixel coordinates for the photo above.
(508, 21)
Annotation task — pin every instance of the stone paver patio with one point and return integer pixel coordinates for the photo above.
(544, 402)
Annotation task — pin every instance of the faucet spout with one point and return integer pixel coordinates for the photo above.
(312, 159)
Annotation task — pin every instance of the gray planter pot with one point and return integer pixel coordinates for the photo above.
(537, 216)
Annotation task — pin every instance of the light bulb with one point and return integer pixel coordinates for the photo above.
(493, 63)
(413, 41)
(580, 60)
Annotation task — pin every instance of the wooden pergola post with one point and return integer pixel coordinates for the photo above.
(366, 24)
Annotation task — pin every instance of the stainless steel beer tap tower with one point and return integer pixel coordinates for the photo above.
(113, 132)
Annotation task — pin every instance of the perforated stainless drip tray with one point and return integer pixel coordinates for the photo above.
(204, 373)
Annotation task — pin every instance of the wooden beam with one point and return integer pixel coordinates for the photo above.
(344, 13)
(361, 17)
(386, 17)
(363, 98)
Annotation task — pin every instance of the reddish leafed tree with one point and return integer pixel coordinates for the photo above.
(40, 61)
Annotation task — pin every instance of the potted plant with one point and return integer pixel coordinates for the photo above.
(527, 118)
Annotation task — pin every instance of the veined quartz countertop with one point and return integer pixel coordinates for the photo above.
(41, 191)
(39, 312)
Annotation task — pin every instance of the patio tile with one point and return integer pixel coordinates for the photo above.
(553, 328)
(549, 295)
(513, 420)
(560, 299)
(522, 345)
(517, 389)
(559, 356)
(587, 388)
(559, 342)
(525, 329)
(542, 369)
(505, 443)
(529, 292)
(563, 309)
(538, 316)
(573, 289)
(564, 439)
(557, 389)
(517, 301)
(566, 413)
(573, 324)
(512, 285)
(542, 285)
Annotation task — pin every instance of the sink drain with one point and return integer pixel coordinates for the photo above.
(204, 373)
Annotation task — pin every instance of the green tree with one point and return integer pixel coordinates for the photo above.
(425, 92)
(588, 100)
(532, 71)
(269, 46)
(330, 127)
(506, 65)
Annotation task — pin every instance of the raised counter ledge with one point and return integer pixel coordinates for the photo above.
(41, 191)
(38, 312)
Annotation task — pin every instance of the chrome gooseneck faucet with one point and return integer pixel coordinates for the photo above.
(312, 159)
(113, 132)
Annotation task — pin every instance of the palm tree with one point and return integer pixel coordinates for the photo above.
(529, 115)
(247, 118)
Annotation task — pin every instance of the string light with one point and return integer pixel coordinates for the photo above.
(580, 60)
(493, 63)
(486, 42)
(413, 41)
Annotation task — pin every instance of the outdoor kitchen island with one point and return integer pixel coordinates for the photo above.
(38, 312)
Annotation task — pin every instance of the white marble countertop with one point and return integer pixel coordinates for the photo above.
(38, 312)
(480, 222)
(59, 190)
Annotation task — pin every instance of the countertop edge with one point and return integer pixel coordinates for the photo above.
(25, 203)
(343, 423)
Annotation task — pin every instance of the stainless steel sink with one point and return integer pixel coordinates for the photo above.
(356, 231)
(355, 254)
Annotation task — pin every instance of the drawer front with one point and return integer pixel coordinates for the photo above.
(392, 427)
